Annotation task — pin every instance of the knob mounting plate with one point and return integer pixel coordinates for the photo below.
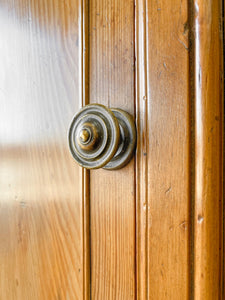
(127, 142)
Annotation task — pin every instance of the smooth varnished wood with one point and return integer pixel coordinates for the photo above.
(152, 230)
(41, 227)
(112, 192)
(208, 108)
(163, 121)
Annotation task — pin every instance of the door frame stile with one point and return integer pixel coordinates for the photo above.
(208, 149)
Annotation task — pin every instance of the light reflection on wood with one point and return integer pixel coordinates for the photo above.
(40, 216)
(40, 185)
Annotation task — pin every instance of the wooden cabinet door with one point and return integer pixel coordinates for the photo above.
(152, 230)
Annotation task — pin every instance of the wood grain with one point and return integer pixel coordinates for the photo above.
(163, 120)
(41, 255)
(208, 149)
(112, 192)
(152, 230)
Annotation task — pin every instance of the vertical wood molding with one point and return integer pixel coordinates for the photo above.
(208, 102)
(84, 84)
(86, 234)
(142, 150)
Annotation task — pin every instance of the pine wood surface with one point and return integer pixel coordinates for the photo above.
(40, 185)
(112, 193)
(152, 230)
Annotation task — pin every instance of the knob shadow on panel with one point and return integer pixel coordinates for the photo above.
(102, 138)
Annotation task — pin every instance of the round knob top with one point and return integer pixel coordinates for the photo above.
(84, 136)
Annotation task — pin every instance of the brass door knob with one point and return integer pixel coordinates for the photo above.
(102, 138)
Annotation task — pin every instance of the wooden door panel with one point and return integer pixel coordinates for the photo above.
(41, 196)
(112, 193)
